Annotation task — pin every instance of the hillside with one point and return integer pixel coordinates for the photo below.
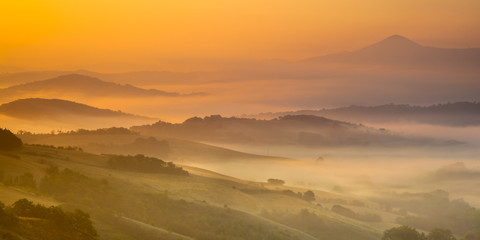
(46, 115)
(398, 50)
(450, 114)
(139, 77)
(39, 108)
(383, 72)
(76, 84)
(133, 204)
(124, 141)
(296, 130)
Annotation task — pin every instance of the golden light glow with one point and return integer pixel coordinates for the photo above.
(57, 34)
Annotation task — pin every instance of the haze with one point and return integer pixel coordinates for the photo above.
(222, 120)
(123, 36)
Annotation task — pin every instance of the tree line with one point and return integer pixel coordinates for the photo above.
(408, 233)
(25, 220)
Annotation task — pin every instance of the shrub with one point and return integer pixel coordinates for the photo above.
(274, 181)
(402, 233)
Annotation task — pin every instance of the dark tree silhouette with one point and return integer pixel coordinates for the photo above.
(49, 222)
(309, 196)
(440, 234)
(8, 140)
(274, 181)
(402, 233)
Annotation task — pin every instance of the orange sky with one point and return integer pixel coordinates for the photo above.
(59, 34)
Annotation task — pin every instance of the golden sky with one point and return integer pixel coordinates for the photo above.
(70, 34)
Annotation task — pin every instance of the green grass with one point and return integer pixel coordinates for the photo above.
(204, 189)
(9, 195)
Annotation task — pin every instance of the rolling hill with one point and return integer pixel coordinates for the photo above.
(138, 77)
(76, 84)
(293, 130)
(39, 108)
(450, 114)
(45, 115)
(134, 204)
(201, 205)
(124, 141)
(395, 70)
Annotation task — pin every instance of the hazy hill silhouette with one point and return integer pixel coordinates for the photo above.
(394, 50)
(124, 141)
(38, 108)
(450, 114)
(300, 130)
(83, 85)
(456, 171)
(393, 70)
(400, 50)
(176, 150)
(137, 77)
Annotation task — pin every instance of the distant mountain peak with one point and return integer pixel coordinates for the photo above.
(394, 42)
(396, 37)
(393, 49)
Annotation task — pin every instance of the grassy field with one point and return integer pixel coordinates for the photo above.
(9, 195)
(202, 187)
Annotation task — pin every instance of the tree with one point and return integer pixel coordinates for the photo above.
(274, 181)
(82, 224)
(402, 233)
(309, 196)
(6, 219)
(50, 222)
(23, 207)
(440, 234)
(8, 140)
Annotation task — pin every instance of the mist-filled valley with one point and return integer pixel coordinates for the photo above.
(369, 76)
(363, 179)
(240, 120)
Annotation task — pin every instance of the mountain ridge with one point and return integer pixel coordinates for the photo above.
(449, 114)
(52, 108)
(289, 130)
(399, 50)
(83, 85)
